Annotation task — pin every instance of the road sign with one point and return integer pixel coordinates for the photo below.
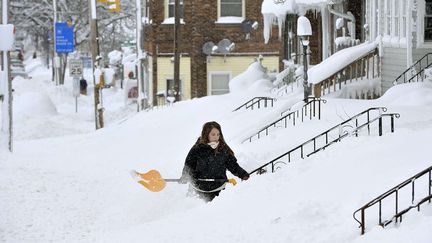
(7, 32)
(76, 68)
(64, 38)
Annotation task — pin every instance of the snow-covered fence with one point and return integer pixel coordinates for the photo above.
(366, 67)
(416, 72)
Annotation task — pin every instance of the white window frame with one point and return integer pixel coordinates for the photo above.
(230, 20)
(421, 14)
(168, 19)
(209, 82)
(424, 26)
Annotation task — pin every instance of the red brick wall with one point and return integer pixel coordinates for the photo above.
(200, 17)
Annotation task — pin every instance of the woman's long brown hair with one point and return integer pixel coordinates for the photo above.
(208, 126)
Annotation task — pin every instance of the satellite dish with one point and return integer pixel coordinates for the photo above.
(224, 46)
(246, 25)
(208, 48)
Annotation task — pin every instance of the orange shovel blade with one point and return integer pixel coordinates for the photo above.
(152, 180)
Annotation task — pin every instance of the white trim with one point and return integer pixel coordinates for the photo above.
(209, 79)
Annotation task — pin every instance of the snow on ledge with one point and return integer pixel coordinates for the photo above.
(230, 20)
(171, 21)
(338, 61)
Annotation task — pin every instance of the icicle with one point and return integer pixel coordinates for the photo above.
(281, 24)
(268, 22)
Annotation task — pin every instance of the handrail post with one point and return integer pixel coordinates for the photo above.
(430, 185)
(363, 221)
(301, 151)
(356, 127)
(397, 203)
(380, 126)
(368, 121)
(392, 123)
(412, 191)
(380, 212)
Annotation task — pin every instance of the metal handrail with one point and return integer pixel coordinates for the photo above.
(417, 63)
(313, 111)
(395, 190)
(256, 100)
(359, 68)
(342, 134)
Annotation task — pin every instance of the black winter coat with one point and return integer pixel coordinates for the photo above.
(204, 162)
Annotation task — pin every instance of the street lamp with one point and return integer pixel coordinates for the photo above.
(304, 30)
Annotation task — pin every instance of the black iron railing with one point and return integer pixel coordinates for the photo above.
(312, 107)
(257, 101)
(366, 67)
(416, 71)
(395, 190)
(352, 126)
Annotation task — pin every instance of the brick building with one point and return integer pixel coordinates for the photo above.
(206, 21)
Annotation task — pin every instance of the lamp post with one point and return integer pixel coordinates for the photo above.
(304, 30)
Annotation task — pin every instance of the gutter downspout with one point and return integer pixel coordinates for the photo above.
(348, 16)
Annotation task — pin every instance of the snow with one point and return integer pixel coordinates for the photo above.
(66, 182)
(229, 20)
(115, 57)
(338, 61)
(254, 77)
(271, 10)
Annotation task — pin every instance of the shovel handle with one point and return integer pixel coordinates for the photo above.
(231, 180)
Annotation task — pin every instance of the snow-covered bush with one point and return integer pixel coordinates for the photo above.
(255, 72)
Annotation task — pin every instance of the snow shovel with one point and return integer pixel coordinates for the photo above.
(154, 182)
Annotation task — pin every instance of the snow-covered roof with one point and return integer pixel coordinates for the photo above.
(338, 61)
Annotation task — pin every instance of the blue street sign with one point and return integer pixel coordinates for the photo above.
(64, 38)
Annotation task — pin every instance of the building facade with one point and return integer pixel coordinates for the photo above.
(405, 29)
(202, 22)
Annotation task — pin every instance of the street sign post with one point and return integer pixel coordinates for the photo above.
(64, 38)
(76, 71)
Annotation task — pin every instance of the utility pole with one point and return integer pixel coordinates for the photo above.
(142, 67)
(56, 64)
(94, 46)
(176, 50)
(6, 87)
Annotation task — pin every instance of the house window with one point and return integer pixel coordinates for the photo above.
(388, 16)
(232, 8)
(170, 87)
(403, 12)
(171, 8)
(219, 83)
(396, 29)
(428, 21)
